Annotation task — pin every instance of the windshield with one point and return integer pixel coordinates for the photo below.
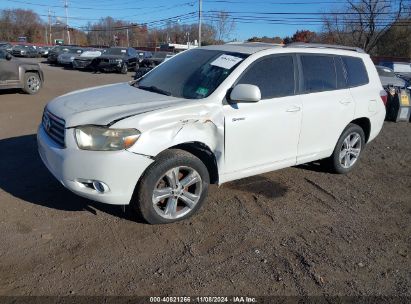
(193, 74)
(385, 72)
(75, 50)
(115, 51)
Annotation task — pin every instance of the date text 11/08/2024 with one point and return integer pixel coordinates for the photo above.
(235, 299)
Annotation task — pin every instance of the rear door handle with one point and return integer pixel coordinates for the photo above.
(345, 102)
(294, 109)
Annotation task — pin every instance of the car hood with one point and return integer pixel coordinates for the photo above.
(395, 81)
(106, 104)
(90, 54)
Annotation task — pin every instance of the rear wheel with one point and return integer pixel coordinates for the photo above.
(348, 149)
(32, 83)
(172, 189)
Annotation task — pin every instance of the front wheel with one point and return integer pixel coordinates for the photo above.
(124, 69)
(32, 83)
(348, 149)
(172, 189)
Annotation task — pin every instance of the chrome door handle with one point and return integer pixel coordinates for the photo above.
(294, 109)
(238, 118)
(345, 102)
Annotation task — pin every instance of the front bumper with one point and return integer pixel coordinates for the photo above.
(75, 169)
(81, 64)
(109, 66)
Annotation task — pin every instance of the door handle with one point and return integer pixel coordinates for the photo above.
(238, 118)
(293, 109)
(345, 102)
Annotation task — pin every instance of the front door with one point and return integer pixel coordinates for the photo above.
(259, 135)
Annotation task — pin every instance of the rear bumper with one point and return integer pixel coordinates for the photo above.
(76, 169)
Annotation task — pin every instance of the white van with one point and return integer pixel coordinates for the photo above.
(212, 115)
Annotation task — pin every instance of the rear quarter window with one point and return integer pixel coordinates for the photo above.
(356, 72)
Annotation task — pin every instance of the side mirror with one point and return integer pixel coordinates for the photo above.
(245, 93)
(8, 56)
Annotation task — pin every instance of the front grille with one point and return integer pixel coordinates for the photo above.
(54, 127)
(16, 52)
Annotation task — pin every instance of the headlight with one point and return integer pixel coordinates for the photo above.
(71, 58)
(105, 139)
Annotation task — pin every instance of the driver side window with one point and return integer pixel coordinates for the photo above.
(274, 75)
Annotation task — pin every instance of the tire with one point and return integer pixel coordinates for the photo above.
(348, 150)
(124, 69)
(32, 83)
(157, 181)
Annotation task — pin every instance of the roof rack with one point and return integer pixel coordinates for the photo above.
(324, 46)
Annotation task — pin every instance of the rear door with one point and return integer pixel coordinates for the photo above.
(328, 106)
(264, 133)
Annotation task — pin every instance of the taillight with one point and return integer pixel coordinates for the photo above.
(384, 97)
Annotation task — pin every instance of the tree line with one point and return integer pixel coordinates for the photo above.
(380, 27)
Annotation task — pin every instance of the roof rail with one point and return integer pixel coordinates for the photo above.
(324, 46)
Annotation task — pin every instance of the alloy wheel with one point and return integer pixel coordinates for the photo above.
(33, 83)
(177, 192)
(350, 150)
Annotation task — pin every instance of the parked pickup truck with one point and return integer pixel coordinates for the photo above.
(17, 74)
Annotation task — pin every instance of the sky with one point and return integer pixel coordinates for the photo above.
(258, 17)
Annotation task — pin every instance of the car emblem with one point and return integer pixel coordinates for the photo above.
(47, 123)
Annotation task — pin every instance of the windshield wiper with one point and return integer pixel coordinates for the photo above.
(154, 89)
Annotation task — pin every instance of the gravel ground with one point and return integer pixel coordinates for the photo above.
(298, 231)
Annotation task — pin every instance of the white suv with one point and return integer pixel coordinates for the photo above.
(212, 115)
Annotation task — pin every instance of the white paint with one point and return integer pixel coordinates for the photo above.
(246, 139)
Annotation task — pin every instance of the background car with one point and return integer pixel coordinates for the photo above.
(6, 46)
(142, 55)
(15, 73)
(67, 58)
(55, 52)
(24, 51)
(116, 59)
(388, 77)
(402, 69)
(156, 59)
(85, 59)
(43, 51)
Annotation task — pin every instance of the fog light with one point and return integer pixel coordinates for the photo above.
(100, 187)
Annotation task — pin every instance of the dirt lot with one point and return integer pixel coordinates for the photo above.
(298, 231)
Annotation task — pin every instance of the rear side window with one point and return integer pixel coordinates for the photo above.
(274, 75)
(356, 71)
(319, 73)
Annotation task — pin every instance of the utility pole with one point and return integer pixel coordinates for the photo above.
(67, 25)
(49, 15)
(128, 40)
(200, 15)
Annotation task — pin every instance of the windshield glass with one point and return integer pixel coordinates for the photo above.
(385, 72)
(193, 74)
(75, 50)
(115, 51)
